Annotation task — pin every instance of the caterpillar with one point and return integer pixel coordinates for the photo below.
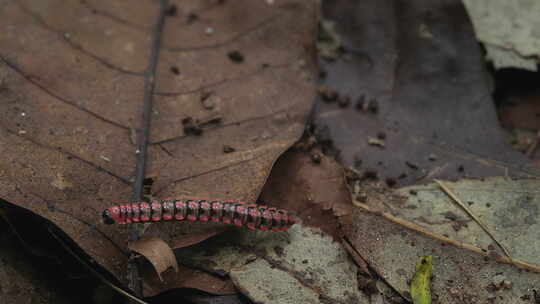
(236, 213)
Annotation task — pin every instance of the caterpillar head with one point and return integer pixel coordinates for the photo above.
(111, 215)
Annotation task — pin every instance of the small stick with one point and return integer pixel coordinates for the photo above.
(471, 214)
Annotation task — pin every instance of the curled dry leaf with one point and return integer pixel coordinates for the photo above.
(185, 278)
(157, 252)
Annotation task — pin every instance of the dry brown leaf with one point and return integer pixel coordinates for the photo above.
(316, 191)
(523, 114)
(193, 239)
(185, 278)
(72, 88)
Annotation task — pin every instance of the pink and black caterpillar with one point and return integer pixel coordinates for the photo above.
(227, 212)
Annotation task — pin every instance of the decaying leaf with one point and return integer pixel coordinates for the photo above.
(433, 104)
(507, 30)
(157, 252)
(185, 277)
(74, 76)
(419, 220)
(302, 263)
(438, 121)
(510, 210)
(463, 276)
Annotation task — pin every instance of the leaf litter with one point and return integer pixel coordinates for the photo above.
(296, 266)
(422, 219)
(304, 263)
(425, 98)
(91, 75)
(435, 109)
(469, 275)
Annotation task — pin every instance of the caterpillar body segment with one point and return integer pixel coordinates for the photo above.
(241, 214)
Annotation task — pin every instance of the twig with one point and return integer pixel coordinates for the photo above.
(471, 214)
(134, 280)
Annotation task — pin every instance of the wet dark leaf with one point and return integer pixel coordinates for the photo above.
(419, 66)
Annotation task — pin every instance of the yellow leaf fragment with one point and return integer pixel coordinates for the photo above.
(420, 284)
